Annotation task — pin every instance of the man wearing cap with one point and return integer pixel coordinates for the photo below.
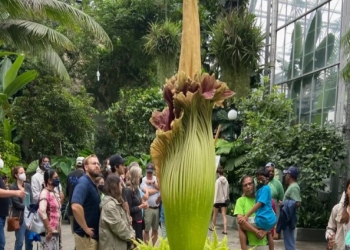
(291, 201)
(149, 183)
(117, 164)
(72, 181)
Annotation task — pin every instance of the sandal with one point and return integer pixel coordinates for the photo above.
(210, 229)
(224, 232)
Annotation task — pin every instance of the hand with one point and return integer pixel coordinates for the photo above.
(260, 234)
(89, 231)
(20, 193)
(331, 241)
(49, 234)
(242, 220)
(130, 220)
(280, 203)
(145, 204)
(62, 196)
(149, 182)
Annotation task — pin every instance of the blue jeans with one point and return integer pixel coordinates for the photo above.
(2, 233)
(288, 238)
(22, 234)
(29, 243)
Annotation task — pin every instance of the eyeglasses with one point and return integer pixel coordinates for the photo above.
(248, 184)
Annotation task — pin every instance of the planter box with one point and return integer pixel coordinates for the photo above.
(310, 234)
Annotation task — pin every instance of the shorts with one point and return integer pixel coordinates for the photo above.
(220, 205)
(151, 219)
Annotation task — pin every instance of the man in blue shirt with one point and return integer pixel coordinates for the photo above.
(85, 206)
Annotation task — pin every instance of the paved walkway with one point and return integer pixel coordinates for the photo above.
(68, 240)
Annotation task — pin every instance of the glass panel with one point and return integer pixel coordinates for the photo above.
(334, 28)
(304, 108)
(281, 62)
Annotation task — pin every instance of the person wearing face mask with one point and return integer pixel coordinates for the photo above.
(49, 211)
(100, 182)
(72, 181)
(18, 205)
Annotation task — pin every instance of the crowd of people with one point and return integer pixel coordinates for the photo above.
(108, 208)
(111, 207)
(262, 204)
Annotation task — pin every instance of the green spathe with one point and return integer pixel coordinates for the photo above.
(184, 155)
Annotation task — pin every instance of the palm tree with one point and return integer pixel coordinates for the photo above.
(24, 25)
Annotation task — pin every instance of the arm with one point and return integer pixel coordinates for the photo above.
(116, 224)
(253, 210)
(151, 191)
(332, 223)
(9, 193)
(16, 202)
(128, 195)
(280, 191)
(36, 188)
(159, 200)
(79, 215)
(42, 211)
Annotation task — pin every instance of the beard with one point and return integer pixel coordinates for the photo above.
(92, 173)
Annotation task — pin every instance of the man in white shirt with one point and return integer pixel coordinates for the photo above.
(150, 184)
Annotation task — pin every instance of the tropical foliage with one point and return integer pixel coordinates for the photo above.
(128, 120)
(25, 25)
(163, 41)
(237, 43)
(268, 137)
(53, 119)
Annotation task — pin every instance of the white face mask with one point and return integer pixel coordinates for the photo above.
(108, 168)
(22, 177)
(1, 163)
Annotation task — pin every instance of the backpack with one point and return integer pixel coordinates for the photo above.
(32, 218)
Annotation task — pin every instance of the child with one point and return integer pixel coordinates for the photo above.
(265, 217)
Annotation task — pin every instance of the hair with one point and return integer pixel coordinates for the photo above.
(15, 171)
(244, 178)
(220, 170)
(263, 171)
(134, 179)
(86, 160)
(345, 215)
(97, 180)
(112, 189)
(133, 164)
(41, 159)
(48, 175)
(105, 162)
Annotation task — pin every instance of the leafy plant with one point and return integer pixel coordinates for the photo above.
(236, 44)
(212, 243)
(24, 24)
(128, 120)
(143, 160)
(10, 84)
(62, 164)
(163, 41)
(11, 155)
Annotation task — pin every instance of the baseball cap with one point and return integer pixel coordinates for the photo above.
(293, 171)
(116, 160)
(149, 168)
(79, 161)
(270, 164)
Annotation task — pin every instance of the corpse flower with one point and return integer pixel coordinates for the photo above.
(183, 151)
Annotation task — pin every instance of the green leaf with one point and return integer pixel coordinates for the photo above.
(32, 167)
(12, 72)
(20, 82)
(5, 65)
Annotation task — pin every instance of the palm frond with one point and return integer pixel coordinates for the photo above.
(54, 61)
(28, 35)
